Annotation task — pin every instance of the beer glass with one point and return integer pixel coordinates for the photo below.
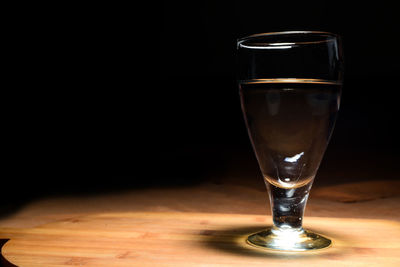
(290, 86)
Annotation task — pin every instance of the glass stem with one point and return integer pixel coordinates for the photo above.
(288, 206)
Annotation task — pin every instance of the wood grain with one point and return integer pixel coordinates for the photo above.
(193, 239)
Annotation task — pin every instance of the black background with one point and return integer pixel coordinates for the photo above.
(117, 97)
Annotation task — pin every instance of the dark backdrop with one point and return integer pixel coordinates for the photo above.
(115, 97)
(201, 107)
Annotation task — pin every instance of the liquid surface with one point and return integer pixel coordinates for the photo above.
(290, 122)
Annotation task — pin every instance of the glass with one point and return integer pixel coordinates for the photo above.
(290, 86)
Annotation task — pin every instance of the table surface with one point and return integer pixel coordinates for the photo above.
(370, 199)
(193, 239)
(375, 202)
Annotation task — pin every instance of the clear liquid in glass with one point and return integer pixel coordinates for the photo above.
(290, 122)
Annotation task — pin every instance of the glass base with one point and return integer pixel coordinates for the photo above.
(288, 240)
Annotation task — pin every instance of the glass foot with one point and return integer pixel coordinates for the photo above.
(288, 240)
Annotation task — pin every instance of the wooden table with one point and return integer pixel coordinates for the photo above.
(203, 225)
(193, 239)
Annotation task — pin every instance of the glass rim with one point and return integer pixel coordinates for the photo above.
(254, 37)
